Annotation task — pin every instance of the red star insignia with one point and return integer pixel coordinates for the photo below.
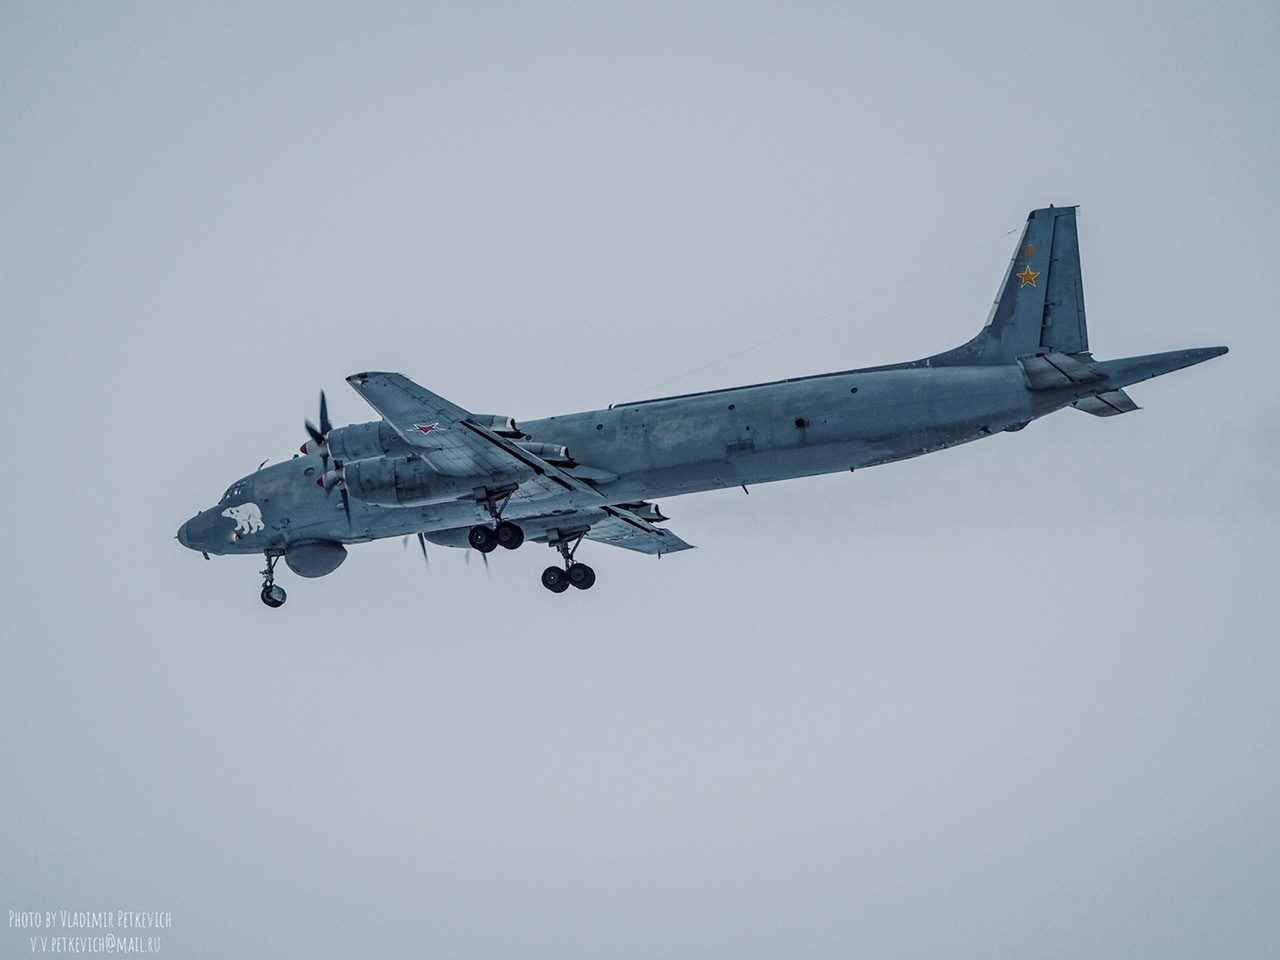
(428, 427)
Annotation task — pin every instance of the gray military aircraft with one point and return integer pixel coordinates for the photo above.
(428, 467)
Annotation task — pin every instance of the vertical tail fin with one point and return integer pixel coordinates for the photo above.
(1040, 305)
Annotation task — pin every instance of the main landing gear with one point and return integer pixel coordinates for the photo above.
(502, 533)
(506, 534)
(272, 595)
(574, 574)
(487, 539)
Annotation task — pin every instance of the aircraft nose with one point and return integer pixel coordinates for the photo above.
(184, 537)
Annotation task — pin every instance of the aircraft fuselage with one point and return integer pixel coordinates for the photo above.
(687, 444)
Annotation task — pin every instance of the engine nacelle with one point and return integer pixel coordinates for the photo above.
(361, 441)
(645, 511)
(552, 453)
(502, 426)
(402, 482)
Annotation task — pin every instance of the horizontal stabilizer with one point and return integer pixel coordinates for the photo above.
(1129, 370)
(1056, 370)
(1107, 404)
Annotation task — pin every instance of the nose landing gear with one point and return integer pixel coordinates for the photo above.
(272, 595)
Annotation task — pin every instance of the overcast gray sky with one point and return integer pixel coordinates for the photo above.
(1018, 699)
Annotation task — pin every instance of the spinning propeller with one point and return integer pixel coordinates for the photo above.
(318, 446)
(422, 542)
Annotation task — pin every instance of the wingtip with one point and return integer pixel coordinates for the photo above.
(1201, 354)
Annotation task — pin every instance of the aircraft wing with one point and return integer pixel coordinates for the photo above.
(454, 443)
(623, 528)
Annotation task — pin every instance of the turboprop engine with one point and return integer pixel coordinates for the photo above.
(402, 482)
(410, 481)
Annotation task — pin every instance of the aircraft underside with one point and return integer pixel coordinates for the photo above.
(435, 470)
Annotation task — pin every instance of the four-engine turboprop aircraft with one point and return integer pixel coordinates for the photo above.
(428, 467)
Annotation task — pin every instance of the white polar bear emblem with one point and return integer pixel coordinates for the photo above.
(247, 516)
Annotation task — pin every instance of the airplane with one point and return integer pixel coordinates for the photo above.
(432, 469)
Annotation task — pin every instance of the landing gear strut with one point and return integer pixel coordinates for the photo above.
(574, 574)
(272, 595)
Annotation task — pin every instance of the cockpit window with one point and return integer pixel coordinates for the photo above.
(235, 490)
